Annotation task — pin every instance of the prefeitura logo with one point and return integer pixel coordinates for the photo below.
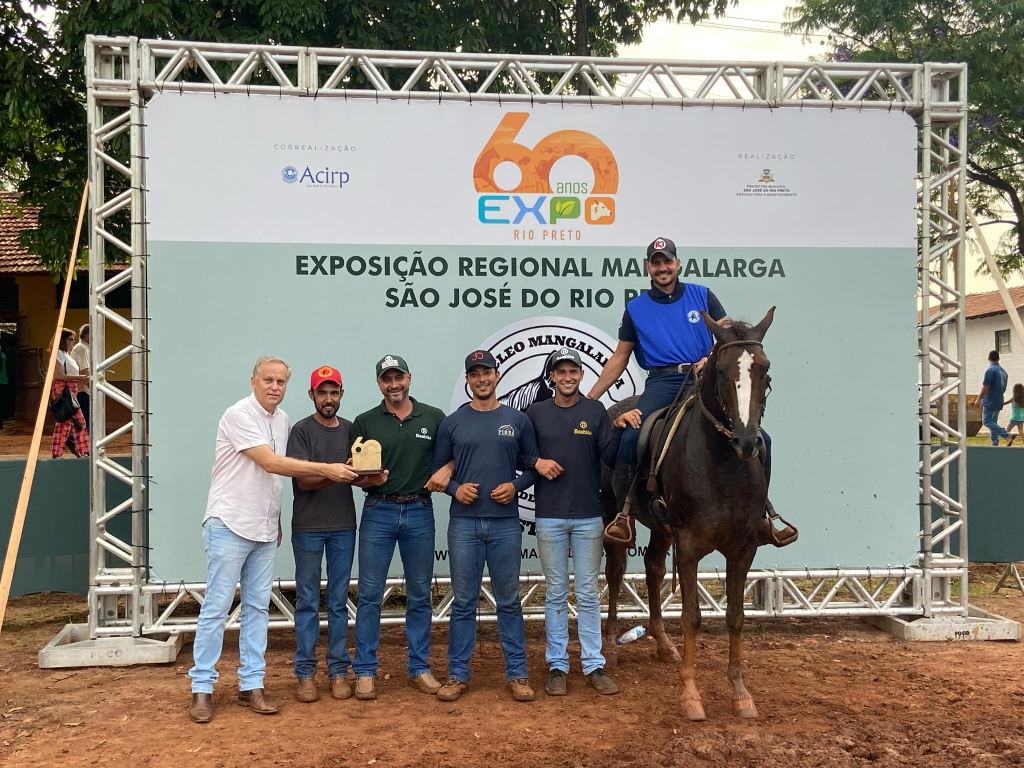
(522, 349)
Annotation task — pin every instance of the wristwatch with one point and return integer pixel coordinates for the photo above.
(531, 463)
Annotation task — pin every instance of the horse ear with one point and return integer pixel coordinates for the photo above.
(765, 324)
(716, 330)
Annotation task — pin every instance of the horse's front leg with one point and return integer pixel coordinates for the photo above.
(654, 561)
(690, 698)
(735, 580)
(615, 569)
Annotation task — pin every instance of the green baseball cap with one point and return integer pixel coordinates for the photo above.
(388, 362)
(561, 355)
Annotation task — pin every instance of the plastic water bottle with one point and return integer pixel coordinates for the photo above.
(634, 634)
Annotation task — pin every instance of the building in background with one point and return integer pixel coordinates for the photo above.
(29, 304)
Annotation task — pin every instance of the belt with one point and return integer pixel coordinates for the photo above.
(674, 368)
(408, 498)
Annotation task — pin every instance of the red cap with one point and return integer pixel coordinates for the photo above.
(322, 374)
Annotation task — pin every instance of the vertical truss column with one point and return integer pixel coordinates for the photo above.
(942, 211)
(115, 107)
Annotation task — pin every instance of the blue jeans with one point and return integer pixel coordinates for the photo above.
(309, 548)
(411, 527)
(472, 542)
(231, 560)
(659, 391)
(584, 538)
(990, 418)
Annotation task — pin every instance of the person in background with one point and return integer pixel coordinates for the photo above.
(323, 523)
(67, 376)
(991, 398)
(80, 353)
(1016, 404)
(241, 533)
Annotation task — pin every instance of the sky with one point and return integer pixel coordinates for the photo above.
(752, 31)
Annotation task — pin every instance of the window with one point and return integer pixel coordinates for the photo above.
(1003, 342)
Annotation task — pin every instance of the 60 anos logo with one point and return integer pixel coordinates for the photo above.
(532, 200)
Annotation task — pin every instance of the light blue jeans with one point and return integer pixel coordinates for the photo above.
(990, 419)
(231, 560)
(584, 538)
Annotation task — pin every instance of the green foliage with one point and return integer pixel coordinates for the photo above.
(42, 83)
(989, 36)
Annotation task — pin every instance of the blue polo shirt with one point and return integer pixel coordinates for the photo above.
(667, 328)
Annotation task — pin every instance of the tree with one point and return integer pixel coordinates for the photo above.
(43, 122)
(989, 36)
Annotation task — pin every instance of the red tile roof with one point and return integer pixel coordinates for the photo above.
(991, 303)
(14, 258)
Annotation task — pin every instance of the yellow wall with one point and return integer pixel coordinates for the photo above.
(36, 296)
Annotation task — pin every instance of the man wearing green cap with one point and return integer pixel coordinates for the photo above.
(575, 435)
(398, 512)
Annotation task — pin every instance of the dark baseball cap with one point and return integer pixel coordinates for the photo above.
(388, 362)
(663, 246)
(481, 357)
(561, 355)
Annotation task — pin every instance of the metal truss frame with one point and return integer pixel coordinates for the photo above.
(122, 73)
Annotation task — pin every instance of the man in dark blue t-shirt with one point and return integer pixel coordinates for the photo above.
(574, 435)
(486, 440)
(664, 330)
(993, 389)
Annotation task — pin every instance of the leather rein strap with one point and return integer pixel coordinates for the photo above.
(703, 408)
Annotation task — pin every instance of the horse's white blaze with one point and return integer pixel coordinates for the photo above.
(744, 387)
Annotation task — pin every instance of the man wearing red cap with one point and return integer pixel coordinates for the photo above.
(323, 522)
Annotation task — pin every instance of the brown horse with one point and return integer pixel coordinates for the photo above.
(713, 495)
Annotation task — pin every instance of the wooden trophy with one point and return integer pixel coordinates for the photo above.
(366, 457)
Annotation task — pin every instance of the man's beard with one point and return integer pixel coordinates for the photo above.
(331, 415)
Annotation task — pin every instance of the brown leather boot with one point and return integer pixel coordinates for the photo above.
(257, 701)
(340, 688)
(201, 710)
(520, 689)
(307, 692)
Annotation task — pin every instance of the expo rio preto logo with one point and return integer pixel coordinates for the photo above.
(533, 199)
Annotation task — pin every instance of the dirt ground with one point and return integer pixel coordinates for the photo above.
(830, 693)
(16, 437)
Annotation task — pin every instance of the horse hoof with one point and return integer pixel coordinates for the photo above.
(693, 709)
(669, 655)
(744, 708)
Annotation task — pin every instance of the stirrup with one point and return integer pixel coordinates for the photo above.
(620, 532)
(784, 537)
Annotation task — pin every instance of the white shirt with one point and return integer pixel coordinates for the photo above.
(66, 364)
(80, 353)
(246, 498)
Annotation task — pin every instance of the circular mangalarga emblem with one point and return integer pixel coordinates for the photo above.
(583, 425)
(325, 371)
(693, 316)
(522, 350)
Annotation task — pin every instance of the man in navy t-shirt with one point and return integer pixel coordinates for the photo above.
(574, 435)
(993, 388)
(664, 330)
(486, 440)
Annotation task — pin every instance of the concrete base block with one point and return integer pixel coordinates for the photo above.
(72, 648)
(978, 625)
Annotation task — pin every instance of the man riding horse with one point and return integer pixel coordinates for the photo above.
(664, 329)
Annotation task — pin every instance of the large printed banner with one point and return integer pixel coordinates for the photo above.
(335, 231)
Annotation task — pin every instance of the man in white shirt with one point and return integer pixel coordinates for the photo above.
(241, 531)
(80, 354)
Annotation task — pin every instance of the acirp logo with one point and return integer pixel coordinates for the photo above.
(533, 201)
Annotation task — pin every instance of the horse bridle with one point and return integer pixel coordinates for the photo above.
(700, 396)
